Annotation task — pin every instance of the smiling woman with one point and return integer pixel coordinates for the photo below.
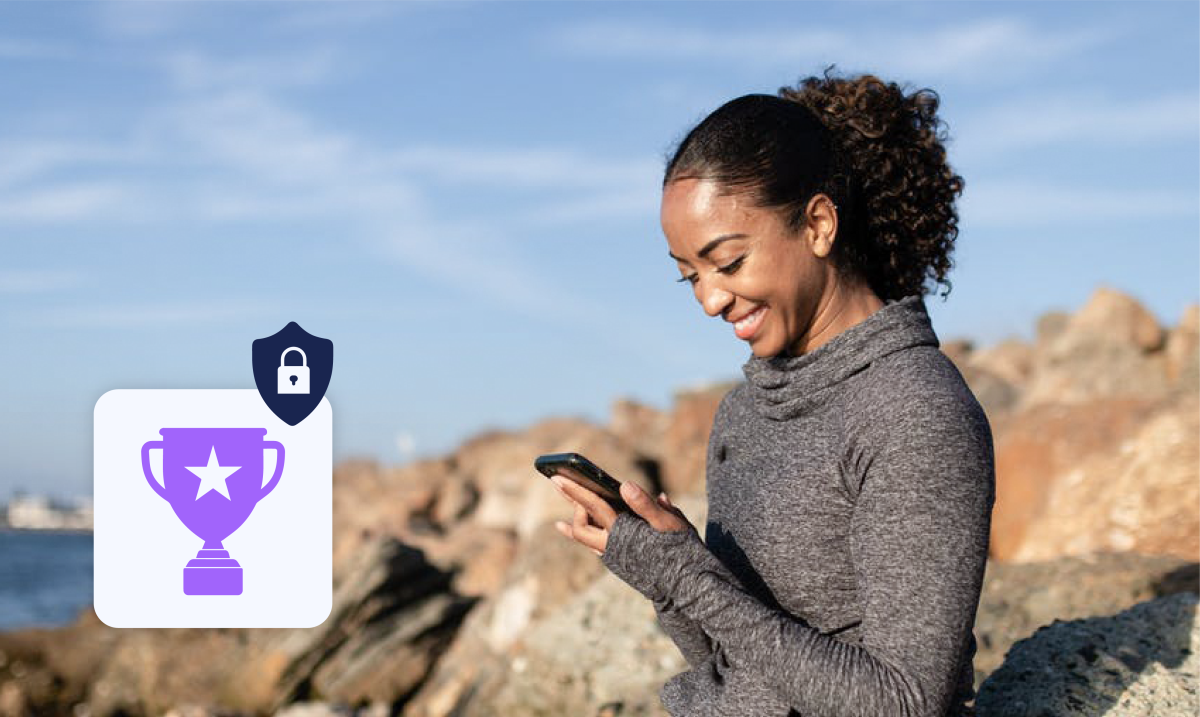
(850, 480)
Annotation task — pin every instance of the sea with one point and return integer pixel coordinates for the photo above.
(45, 578)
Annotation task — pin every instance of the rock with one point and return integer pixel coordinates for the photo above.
(1042, 445)
(618, 659)
(315, 709)
(685, 444)
(478, 556)
(1142, 661)
(1050, 326)
(512, 645)
(1183, 352)
(1112, 347)
(514, 496)
(1139, 493)
(958, 351)
(1017, 598)
(392, 615)
(199, 711)
(641, 427)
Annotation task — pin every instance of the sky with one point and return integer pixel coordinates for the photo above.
(464, 197)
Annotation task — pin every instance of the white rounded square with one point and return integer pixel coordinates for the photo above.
(284, 548)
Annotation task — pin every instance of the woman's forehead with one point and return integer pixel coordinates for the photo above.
(695, 211)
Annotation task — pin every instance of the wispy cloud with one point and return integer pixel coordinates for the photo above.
(33, 157)
(523, 167)
(1026, 203)
(12, 48)
(38, 281)
(939, 52)
(140, 316)
(163, 17)
(70, 202)
(193, 71)
(1075, 118)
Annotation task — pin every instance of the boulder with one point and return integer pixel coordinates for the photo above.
(1112, 347)
(563, 636)
(1183, 352)
(1018, 598)
(1141, 661)
(1045, 444)
(393, 614)
(685, 444)
(1140, 493)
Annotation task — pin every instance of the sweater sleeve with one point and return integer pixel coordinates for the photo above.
(693, 643)
(919, 539)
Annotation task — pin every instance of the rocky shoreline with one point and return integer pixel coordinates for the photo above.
(454, 596)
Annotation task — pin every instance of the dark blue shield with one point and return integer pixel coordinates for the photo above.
(292, 371)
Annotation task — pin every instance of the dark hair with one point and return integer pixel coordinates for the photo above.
(875, 151)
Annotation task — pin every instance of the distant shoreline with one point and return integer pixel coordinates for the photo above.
(66, 531)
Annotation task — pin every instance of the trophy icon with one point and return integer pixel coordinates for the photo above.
(213, 478)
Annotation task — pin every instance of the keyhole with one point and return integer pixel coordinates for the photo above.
(294, 380)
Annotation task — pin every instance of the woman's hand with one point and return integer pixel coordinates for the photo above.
(594, 516)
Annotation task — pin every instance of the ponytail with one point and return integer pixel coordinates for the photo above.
(875, 151)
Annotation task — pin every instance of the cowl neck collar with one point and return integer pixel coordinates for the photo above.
(783, 387)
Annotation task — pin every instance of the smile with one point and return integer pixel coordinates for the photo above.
(747, 325)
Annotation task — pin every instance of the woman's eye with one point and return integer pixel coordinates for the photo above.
(731, 266)
(689, 278)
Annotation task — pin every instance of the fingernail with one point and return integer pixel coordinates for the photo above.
(557, 481)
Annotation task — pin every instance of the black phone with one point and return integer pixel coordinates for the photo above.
(573, 466)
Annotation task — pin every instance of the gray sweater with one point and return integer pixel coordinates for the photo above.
(850, 492)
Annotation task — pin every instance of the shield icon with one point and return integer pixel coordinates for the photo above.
(292, 371)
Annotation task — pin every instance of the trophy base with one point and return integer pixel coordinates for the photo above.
(212, 572)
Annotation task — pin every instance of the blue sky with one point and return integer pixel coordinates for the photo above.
(464, 197)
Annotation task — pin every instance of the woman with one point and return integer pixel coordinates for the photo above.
(850, 480)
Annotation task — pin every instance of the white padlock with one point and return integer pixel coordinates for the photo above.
(293, 379)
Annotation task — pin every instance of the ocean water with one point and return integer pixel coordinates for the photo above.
(45, 578)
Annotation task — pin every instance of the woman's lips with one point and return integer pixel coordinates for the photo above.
(747, 325)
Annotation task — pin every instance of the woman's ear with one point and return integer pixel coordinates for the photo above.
(822, 224)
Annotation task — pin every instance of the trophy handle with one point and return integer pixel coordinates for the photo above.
(270, 486)
(146, 448)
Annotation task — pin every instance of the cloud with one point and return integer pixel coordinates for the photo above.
(952, 51)
(229, 149)
(1075, 118)
(193, 71)
(529, 167)
(149, 18)
(70, 202)
(1008, 203)
(138, 316)
(406, 444)
(30, 158)
(29, 49)
(38, 281)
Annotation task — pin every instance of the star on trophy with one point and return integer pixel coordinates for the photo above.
(213, 478)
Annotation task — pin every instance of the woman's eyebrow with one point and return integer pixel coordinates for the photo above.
(704, 250)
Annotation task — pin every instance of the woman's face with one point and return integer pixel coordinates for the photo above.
(746, 266)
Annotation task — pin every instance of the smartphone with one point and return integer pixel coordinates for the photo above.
(587, 474)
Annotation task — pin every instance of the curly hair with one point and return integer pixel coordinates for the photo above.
(877, 152)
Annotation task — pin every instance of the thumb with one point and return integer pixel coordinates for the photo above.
(641, 503)
(634, 496)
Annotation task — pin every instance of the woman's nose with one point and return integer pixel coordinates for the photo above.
(715, 300)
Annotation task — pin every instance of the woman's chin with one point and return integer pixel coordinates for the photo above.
(764, 349)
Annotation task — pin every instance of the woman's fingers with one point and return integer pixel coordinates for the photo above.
(602, 513)
(584, 532)
(659, 518)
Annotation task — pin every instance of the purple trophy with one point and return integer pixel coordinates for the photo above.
(212, 477)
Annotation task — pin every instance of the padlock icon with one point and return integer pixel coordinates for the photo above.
(293, 379)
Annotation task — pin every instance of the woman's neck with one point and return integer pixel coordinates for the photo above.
(844, 306)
